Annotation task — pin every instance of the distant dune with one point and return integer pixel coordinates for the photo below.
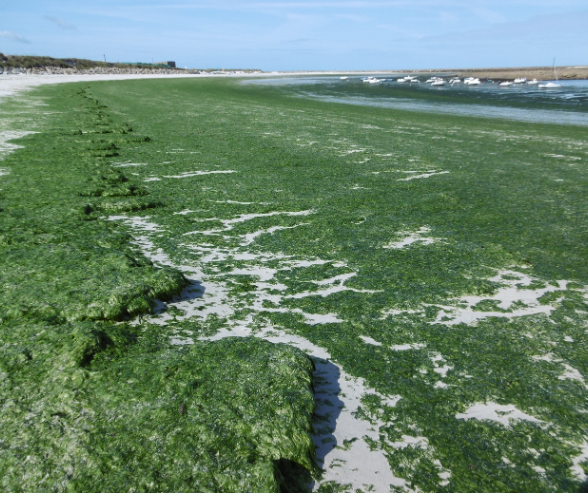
(541, 73)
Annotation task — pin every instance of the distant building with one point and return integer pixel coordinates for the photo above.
(169, 64)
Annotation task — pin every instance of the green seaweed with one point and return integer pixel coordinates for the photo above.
(108, 407)
(501, 207)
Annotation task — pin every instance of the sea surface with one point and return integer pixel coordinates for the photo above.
(567, 105)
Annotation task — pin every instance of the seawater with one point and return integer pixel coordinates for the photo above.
(567, 105)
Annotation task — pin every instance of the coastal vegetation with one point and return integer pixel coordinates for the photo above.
(72, 65)
(170, 248)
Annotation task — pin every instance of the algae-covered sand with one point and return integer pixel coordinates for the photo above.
(201, 278)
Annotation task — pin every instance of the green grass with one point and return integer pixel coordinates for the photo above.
(501, 207)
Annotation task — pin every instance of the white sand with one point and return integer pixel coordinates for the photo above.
(424, 175)
(190, 174)
(406, 347)
(237, 202)
(11, 84)
(338, 395)
(228, 223)
(395, 311)
(419, 236)
(369, 340)
(250, 237)
(514, 291)
(572, 374)
(576, 467)
(498, 413)
(336, 285)
(125, 165)
(6, 147)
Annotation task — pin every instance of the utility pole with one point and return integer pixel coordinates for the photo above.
(104, 58)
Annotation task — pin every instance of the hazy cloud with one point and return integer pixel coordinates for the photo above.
(555, 27)
(59, 22)
(14, 37)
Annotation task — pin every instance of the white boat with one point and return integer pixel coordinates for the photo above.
(368, 79)
(344, 78)
(520, 80)
(472, 81)
(533, 82)
(551, 85)
(505, 84)
(374, 81)
(455, 80)
(438, 83)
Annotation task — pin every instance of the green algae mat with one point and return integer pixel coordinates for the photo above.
(204, 282)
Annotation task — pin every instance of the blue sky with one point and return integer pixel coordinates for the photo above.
(301, 34)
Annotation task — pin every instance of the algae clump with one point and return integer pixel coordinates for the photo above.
(91, 403)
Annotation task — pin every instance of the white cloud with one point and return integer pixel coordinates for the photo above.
(59, 22)
(14, 37)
